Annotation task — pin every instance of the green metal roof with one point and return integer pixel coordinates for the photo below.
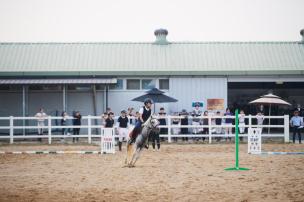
(178, 58)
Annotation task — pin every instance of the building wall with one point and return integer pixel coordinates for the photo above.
(188, 90)
(11, 103)
(122, 99)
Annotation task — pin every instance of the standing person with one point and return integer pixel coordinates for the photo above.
(131, 115)
(109, 122)
(205, 122)
(218, 122)
(76, 122)
(104, 116)
(228, 122)
(155, 135)
(64, 122)
(184, 121)
(299, 109)
(260, 120)
(196, 121)
(242, 123)
(122, 123)
(41, 116)
(162, 121)
(143, 115)
(175, 122)
(296, 122)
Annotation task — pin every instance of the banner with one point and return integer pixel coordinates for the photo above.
(215, 104)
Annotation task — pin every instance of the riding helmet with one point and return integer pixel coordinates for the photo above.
(148, 100)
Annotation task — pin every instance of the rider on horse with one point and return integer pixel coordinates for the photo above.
(144, 114)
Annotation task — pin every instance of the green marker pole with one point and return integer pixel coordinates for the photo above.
(236, 144)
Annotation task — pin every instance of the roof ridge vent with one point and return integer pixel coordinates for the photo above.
(302, 34)
(161, 37)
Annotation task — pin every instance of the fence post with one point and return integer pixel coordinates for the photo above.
(209, 127)
(169, 129)
(89, 129)
(286, 128)
(50, 129)
(11, 130)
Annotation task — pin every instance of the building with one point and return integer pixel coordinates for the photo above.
(88, 77)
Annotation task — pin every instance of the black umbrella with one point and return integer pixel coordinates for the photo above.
(156, 95)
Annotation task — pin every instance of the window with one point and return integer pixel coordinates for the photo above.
(164, 84)
(80, 87)
(38, 87)
(133, 84)
(117, 86)
(148, 84)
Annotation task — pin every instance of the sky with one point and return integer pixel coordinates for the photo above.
(136, 20)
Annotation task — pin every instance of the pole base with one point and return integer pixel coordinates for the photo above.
(237, 168)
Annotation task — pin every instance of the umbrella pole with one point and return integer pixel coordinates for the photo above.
(269, 118)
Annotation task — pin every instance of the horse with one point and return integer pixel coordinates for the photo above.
(147, 128)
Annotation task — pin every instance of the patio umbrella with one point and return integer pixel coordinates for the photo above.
(269, 99)
(156, 95)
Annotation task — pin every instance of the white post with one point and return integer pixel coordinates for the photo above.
(249, 122)
(11, 130)
(169, 129)
(286, 128)
(210, 132)
(50, 129)
(89, 130)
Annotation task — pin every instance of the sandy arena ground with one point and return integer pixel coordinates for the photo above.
(192, 172)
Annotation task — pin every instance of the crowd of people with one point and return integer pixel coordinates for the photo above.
(221, 123)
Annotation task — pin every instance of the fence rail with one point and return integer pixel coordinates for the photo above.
(11, 127)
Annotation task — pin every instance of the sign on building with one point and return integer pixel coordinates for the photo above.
(215, 104)
(254, 140)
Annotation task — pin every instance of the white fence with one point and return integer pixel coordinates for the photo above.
(11, 126)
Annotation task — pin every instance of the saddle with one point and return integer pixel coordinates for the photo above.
(133, 135)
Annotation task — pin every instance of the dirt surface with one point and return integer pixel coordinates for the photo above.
(192, 172)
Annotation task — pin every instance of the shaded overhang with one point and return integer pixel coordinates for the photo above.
(59, 81)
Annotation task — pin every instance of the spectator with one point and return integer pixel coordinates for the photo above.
(64, 122)
(205, 123)
(122, 123)
(218, 122)
(137, 115)
(242, 123)
(104, 116)
(175, 122)
(299, 109)
(109, 122)
(41, 116)
(184, 121)
(296, 123)
(260, 119)
(76, 122)
(162, 121)
(228, 124)
(196, 121)
(130, 115)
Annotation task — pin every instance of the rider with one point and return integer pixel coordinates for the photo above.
(144, 115)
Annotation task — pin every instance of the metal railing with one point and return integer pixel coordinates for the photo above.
(49, 126)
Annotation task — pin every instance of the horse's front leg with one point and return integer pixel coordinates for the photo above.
(136, 156)
(129, 153)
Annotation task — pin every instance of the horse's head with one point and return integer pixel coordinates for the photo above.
(152, 122)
